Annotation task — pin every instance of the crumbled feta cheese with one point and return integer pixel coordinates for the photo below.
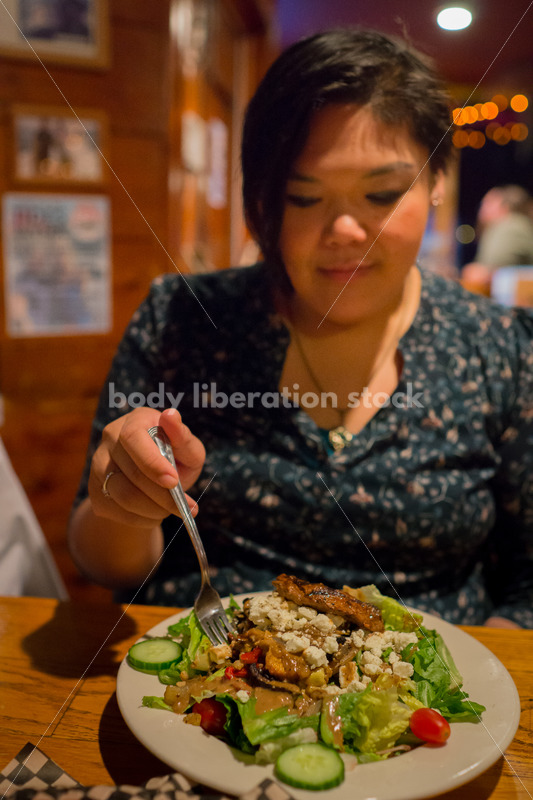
(323, 623)
(357, 686)
(295, 643)
(370, 658)
(243, 695)
(402, 669)
(348, 673)
(376, 642)
(401, 639)
(281, 619)
(358, 638)
(372, 669)
(272, 611)
(306, 613)
(393, 657)
(315, 656)
(330, 644)
(299, 623)
(218, 653)
(332, 689)
(258, 610)
(371, 664)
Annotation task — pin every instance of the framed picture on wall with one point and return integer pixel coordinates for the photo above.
(59, 146)
(57, 264)
(74, 32)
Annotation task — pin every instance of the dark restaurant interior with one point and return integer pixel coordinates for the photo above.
(157, 82)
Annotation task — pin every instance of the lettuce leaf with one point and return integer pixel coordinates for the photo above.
(271, 724)
(246, 730)
(233, 725)
(438, 681)
(372, 720)
(152, 701)
(195, 646)
(268, 752)
(395, 616)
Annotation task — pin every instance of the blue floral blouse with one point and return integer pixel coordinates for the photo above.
(432, 501)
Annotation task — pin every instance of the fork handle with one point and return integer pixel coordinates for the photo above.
(165, 448)
(188, 520)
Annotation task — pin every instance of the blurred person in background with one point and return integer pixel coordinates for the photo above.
(505, 234)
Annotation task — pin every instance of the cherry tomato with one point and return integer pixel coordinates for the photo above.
(430, 726)
(213, 715)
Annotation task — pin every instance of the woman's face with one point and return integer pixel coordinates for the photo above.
(356, 208)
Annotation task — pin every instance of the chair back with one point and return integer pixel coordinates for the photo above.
(513, 286)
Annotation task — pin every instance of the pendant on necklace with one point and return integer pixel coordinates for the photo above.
(339, 437)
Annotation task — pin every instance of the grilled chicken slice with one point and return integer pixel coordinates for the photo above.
(329, 601)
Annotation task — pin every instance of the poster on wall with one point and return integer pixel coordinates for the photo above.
(57, 264)
(64, 31)
(54, 145)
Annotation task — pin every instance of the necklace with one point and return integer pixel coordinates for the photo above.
(340, 436)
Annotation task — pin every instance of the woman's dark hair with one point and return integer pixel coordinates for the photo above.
(364, 67)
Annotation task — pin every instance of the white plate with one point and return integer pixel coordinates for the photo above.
(423, 772)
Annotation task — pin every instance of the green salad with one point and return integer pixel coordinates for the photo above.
(312, 676)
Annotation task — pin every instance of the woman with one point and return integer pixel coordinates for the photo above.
(282, 371)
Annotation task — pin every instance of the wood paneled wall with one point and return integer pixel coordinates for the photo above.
(50, 385)
(212, 82)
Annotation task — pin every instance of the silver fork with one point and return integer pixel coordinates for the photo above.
(208, 606)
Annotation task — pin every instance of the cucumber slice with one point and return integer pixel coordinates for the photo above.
(153, 655)
(310, 766)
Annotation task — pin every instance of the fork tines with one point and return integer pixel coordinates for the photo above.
(216, 628)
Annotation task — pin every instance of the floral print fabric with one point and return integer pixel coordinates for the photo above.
(432, 502)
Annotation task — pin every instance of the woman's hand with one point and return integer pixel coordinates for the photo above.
(137, 490)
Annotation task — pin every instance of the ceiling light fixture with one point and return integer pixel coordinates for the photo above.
(454, 18)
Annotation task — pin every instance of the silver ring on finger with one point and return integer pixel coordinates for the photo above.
(105, 490)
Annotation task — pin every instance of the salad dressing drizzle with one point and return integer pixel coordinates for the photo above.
(180, 695)
(333, 722)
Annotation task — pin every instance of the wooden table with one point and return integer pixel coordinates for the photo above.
(58, 665)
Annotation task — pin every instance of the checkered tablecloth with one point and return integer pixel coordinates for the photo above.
(31, 775)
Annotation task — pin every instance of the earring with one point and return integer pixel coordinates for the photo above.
(436, 201)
